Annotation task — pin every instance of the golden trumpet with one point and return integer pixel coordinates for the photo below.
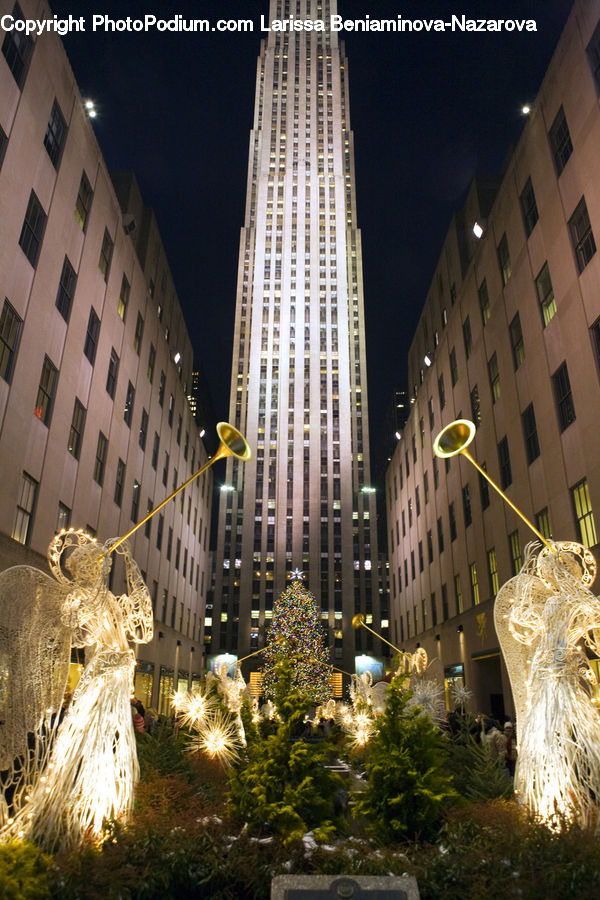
(358, 621)
(454, 439)
(232, 443)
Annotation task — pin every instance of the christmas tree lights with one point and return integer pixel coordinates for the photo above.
(296, 634)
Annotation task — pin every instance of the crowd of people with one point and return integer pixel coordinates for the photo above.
(144, 720)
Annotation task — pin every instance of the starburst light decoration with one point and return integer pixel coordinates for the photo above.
(218, 737)
(427, 694)
(62, 779)
(193, 707)
(545, 617)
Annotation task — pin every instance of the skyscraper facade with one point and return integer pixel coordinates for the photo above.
(299, 385)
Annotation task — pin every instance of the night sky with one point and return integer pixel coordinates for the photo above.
(428, 112)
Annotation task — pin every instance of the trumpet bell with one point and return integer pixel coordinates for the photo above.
(233, 441)
(358, 620)
(454, 438)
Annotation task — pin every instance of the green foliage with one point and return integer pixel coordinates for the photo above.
(407, 787)
(496, 850)
(477, 775)
(162, 751)
(23, 872)
(282, 786)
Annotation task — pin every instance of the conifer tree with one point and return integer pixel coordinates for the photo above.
(296, 634)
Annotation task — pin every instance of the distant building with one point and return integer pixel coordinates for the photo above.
(95, 359)
(299, 379)
(510, 338)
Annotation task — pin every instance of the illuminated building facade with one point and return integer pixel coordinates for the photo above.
(299, 378)
(95, 359)
(509, 337)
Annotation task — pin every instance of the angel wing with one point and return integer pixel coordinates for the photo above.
(35, 649)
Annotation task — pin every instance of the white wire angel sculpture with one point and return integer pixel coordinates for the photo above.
(61, 780)
(545, 617)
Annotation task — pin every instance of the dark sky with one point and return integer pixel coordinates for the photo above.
(428, 111)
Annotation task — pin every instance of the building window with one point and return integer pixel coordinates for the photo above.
(529, 207)
(504, 259)
(143, 429)
(91, 336)
(475, 406)
(3, 144)
(100, 464)
(10, 334)
(494, 376)
(493, 572)
(582, 235)
(119, 482)
(474, 584)
(467, 337)
(135, 501)
(593, 53)
(453, 367)
(56, 134)
(113, 373)
(563, 397)
(123, 298)
(25, 508)
(63, 518)
(440, 534)
(516, 341)
(484, 489)
(458, 595)
(504, 462)
(129, 401)
(106, 252)
(560, 141)
(441, 392)
(484, 301)
(532, 446)
(83, 204)
(155, 448)
(466, 496)
(542, 523)
(66, 289)
(139, 333)
(452, 518)
(543, 286)
(161, 388)
(516, 559)
(151, 362)
(17, 48)
(46, 391)
(76, 429)
(33, 229)
(584, 516)
(165, 474)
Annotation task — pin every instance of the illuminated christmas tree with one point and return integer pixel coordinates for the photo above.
(296, 634)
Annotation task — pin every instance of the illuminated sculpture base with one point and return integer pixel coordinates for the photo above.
(61, 782)
(545, 617)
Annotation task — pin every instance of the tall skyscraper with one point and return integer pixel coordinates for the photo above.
(299, 381)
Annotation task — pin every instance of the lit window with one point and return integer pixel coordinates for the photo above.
(123, 297)
(515, 552)
(484, 301)
(46, 391)
(584, 516)
(25, 507)
(494, 375)
(543, 286)
(474, 584)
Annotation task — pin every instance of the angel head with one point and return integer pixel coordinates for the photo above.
(86, 563)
